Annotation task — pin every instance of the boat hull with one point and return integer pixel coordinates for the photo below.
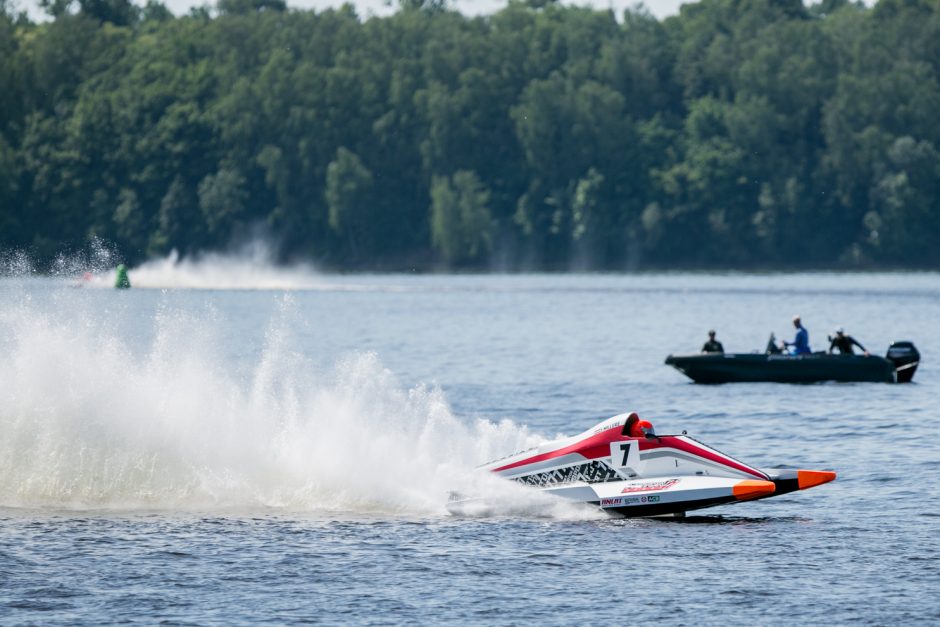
(660, 496)
(667, 495)
(756, 367)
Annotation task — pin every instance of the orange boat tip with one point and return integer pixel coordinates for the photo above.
(810, 478)
(752, 489)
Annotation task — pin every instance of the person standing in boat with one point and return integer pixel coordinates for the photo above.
(844, 343)
(712, 345)
(800, 344)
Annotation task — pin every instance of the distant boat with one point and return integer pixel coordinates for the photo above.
(897, 367)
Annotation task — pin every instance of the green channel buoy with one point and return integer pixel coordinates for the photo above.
(122, 282)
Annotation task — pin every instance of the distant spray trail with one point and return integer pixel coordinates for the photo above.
(251, 268)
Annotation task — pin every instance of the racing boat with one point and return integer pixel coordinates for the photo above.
(897, 367)
(624, 468)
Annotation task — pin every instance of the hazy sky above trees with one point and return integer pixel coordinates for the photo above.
(659, 8)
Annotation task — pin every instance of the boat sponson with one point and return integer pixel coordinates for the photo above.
(791, 480)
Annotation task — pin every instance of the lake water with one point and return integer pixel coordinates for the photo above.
(243, 445)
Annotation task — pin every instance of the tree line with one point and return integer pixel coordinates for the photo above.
(738, 133)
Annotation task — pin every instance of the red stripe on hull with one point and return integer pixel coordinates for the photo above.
(595, 446)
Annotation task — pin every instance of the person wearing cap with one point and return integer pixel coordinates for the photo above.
(844, 343)
(800, 344)
(712, 345)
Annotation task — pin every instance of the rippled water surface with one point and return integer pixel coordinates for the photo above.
(187, 454)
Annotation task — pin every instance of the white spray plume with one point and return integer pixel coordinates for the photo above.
(86, 421)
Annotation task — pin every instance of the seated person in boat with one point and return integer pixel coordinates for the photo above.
(844, 343)
(800, 344)
(712, 345)
(772, 348)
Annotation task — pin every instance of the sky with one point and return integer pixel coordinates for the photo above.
(659, 8)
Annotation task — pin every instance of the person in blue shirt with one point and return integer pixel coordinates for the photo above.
(800, 344)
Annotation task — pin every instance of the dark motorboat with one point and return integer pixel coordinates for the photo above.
(898, 367)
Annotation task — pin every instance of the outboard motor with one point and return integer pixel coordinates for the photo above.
(905, 358)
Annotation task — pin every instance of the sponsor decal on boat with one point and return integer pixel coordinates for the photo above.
(589, 472)
(620, 501)
(650, 486)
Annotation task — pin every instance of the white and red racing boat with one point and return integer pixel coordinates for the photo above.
(623, 467)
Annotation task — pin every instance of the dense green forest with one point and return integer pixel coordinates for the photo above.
(739, 133)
